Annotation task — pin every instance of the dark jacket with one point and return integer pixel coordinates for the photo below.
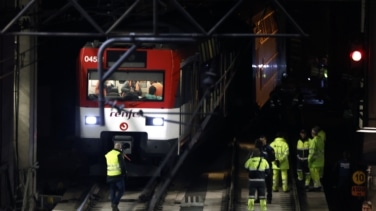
(267, 152)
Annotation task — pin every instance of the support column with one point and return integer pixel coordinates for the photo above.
(25, 112)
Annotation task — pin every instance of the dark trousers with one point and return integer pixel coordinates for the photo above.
(258, 186)
(117, 189)
(269, 183)
(343, 193)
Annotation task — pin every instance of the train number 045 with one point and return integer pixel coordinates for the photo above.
(91, 59)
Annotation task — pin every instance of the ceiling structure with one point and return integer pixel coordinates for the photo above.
(103, 18)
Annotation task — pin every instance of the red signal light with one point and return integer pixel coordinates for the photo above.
(356, 55)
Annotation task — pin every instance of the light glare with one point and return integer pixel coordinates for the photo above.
(158, 121)
(91, 120)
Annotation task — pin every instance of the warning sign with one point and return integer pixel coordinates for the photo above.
(359, 177)
(358, 190)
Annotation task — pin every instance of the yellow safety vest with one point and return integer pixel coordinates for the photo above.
(316, 156)
(302, 149)
(113, 165)
(257, 167)
(281, 149)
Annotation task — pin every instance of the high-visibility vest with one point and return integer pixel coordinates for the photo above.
(302, 149)
(322, 134)
(316, 157)
(281, 149)
(257, 167)
(113, 165)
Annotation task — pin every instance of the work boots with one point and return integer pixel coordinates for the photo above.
(114, 207)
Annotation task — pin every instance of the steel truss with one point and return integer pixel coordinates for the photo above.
(27, 10)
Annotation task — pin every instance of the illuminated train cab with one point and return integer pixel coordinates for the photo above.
(163, 83)
(167, 91)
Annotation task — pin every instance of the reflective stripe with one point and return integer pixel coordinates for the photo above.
(257, 180)
(113, 166)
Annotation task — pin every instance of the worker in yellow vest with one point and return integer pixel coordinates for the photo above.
(316, 158)
(116, 173)
(281, 163)
(302, 150)
(258, 169)
(322, 134)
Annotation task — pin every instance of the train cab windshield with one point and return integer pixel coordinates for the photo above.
(128, 85)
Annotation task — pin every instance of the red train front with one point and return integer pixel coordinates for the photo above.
(150, 80)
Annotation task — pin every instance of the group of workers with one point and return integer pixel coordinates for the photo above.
(310, 158)
(268, 164)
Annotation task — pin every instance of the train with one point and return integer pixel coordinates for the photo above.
(159, 95)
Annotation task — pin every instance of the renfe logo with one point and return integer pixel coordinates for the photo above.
(125, 114)
(123, 126)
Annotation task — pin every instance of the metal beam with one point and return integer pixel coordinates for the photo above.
(99, 32)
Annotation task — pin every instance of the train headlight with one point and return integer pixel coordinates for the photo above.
(91, 120)
(154, 121)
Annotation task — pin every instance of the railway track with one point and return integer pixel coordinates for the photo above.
(214, 180)
(96, 197)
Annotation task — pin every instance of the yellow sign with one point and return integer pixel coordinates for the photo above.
(358, 190)
(359, 177)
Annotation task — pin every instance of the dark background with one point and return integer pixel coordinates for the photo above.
(331, 26)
